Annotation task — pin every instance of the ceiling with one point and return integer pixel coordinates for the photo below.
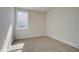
(41, 9)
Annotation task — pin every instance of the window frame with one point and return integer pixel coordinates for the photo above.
(21, 10)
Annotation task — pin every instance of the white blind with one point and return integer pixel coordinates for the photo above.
(22, 20)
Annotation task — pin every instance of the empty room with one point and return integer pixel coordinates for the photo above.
(39, 29)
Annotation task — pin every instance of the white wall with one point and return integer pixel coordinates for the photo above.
(63, 25)
(6, 18)
(37, 26)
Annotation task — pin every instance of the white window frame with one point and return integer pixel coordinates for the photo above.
(21, 10)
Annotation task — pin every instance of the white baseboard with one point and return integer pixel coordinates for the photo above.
(71, 44)
(31, 36)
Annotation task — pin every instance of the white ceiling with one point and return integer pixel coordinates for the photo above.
(41, 9)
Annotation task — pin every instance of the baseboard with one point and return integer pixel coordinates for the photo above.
(73, 45)
(31, 36)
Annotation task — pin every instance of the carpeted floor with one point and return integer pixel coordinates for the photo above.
(40, 44)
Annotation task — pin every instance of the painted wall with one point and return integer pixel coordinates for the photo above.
(37, 26)
(63, 25)
(6, 18)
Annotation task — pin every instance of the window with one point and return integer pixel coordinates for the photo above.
(22, 20)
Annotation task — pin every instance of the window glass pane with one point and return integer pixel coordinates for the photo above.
(22, 20)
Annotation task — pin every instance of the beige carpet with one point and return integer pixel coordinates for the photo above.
(40, 44)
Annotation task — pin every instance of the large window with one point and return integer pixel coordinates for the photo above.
(21, 19)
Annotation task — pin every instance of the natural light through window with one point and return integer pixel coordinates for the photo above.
(22, 20)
